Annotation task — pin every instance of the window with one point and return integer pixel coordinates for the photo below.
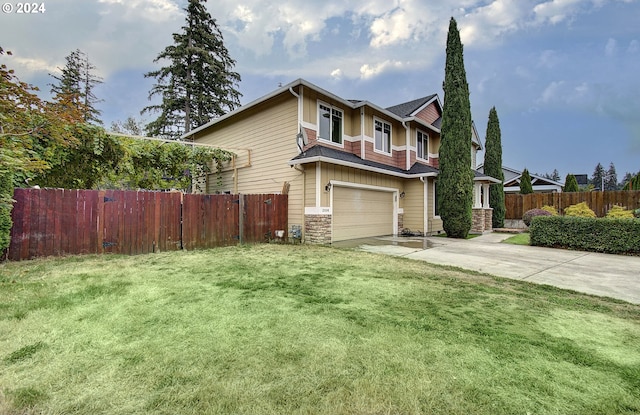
(422, 145)
(330, 124)
(382, 136)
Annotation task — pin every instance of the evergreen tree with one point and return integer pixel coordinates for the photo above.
(129, 126)
(570, 184)
(199, 83)
(611, 180)
(75, 87)
(493, 168)
(555, 176)
(455, 181)
(525, 183)
(596, 179)
(633, 183)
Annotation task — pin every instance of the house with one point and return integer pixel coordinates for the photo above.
(538, 183)
(351, 168)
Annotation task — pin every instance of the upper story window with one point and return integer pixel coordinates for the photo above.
(330, 123)
(382, 135)
(422, 145)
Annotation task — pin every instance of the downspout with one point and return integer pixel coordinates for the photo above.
(362, 133)
(304, 190)
(297, 167)
(299, 106)
(425, 204)
(408, 139)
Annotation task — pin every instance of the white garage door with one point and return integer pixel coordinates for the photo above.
(360, 213)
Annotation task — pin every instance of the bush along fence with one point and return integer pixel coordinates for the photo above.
(611, 236)
(600, 202)
(66, 222)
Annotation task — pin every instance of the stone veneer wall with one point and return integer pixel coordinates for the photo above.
(488, 219)
(400, 223)
(481, 220)
(317, 229)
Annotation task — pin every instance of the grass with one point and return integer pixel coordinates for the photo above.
(519, 239)
(275, 329)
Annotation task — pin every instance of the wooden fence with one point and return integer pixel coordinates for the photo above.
(60, 222)
(599, 202)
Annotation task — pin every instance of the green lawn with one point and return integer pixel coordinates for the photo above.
(519, 239)
(277, 329)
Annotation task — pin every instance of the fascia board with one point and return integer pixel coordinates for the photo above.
(360, 167)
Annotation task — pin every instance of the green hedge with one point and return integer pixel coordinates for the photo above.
(611, 236)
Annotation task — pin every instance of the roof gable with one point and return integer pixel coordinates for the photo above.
(412, 108)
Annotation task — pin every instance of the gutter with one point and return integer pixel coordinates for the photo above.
(360, 167)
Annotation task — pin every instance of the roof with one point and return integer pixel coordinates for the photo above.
(332, 155)
(408, 109)
(511, 174)
(353, 104)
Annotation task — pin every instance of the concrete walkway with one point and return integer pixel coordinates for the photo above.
(615, 276)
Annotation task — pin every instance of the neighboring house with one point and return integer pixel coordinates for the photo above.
(538, 183)
(351, 168)
(582, 180)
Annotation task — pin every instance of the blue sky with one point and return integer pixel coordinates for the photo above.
(563, 74)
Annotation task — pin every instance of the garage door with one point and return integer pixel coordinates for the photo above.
(359, 213)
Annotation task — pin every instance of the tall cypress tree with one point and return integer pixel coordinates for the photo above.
(570, 184)
(493, 168)
(75, 85)
(525, 183)
(199, 83)
(455, 181)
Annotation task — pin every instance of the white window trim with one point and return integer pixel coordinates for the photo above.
(424, 150)
(325, 140)
(375, 150)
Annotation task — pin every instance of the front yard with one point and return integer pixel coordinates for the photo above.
(276, 329)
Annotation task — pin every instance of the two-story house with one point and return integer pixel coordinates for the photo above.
(351, 168)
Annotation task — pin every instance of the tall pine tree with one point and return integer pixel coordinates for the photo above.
(611, 179)
(525, 183)
(199, 83)
(493, 167)
(75, 85)
(455, 181)
(598, 176)
(570, 184)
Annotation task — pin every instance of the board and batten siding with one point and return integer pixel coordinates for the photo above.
(264, 138)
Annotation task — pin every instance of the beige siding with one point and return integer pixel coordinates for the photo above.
(435, 224)
(264, 138)
(413, 204)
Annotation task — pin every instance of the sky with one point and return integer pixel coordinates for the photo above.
(564, 75)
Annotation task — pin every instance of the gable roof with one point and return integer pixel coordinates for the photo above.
(352, 104)
(511, 174)
(409, 109)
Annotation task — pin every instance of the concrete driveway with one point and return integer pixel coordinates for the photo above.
(615, 276)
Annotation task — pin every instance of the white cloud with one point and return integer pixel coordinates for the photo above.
(368, 71)
(336, 74)
(153, 10)
(551, 93)
(634, 46)
(556, 11)
(611, 47)
(392, 28)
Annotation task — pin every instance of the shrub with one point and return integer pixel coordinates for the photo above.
(6, 204)
(550, 209)
(581, 210)
(611, 236)
(530, 214)
(619, 212)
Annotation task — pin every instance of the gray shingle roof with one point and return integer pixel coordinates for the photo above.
(332, 153)
(407, 108)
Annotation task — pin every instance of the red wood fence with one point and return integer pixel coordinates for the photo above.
(599, 202)
(60, 222)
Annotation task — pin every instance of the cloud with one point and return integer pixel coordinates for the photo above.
(610, 48)
(368, 71)
(634, 47)
(556, 11)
